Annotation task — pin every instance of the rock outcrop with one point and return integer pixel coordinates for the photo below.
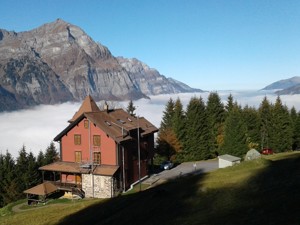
(59, 62)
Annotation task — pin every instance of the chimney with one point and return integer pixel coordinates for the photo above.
(106, 106)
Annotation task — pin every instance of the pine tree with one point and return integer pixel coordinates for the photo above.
(281, 139)
(178, 120)
(296, 136)
(265, 114)
(164, 148)
(216, 116)
(234, 134)
(21, 169)
(131, 108)
(34, 177)
(51, 154)
(252, 121)
(196, 138)
(9, 183)
(167, 119)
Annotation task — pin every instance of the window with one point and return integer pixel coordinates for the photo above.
(96, 140)
(77, 139)
(97, 157)
(86, 124)
(77, 156)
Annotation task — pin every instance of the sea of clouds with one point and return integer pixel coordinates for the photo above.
(35, 128)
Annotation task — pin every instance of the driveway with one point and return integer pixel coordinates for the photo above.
(182, 170)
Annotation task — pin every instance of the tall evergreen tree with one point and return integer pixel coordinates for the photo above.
(281, 127)
(21, 169)
(295, 119)
(51, 154)
(33, 175)
(234, 134)
(215, 116)
(131, 108)
(164, 146)
(9, 183)
(251, 119)
(265, 114)
(168, 113)
(196, 137)
(178, 120)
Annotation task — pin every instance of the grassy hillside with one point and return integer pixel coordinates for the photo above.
(266, 191)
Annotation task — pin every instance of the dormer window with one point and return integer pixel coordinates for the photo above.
(120, 121)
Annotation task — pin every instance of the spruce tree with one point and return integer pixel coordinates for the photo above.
(196, 137)
(234, 134)
(251, 119)
(215, 116)
(178, 121)
(265, 114)
(51, 154)
(164, 147)
(281, 139)
(131, 108)
(9, 184)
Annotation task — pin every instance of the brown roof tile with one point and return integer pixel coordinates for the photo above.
(42, 189)
(88, 105)
(72, 167)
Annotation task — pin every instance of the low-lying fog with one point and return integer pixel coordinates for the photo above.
(35, 128)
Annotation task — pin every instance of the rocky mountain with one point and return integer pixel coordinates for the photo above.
(286, 86)
(59, 62)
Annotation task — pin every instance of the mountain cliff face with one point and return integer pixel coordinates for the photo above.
(59, 62)
(285, 87)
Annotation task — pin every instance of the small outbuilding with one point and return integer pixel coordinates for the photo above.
(228, 160)
(252, 154)
(40, 192)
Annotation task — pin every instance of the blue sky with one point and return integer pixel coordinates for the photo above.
(212, 45)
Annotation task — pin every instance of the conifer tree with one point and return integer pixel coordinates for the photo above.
(21, 169)
(9, 183)
(131, 108)
(234, 134)
(251, 119)
(51, 154)
(215, 115)
(196, 138)
(265, 114)
(178, 120)
(295, 119)
(168, 113)
(281, 139)
(164, 147)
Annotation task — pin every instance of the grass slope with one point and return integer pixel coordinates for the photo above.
(265, 191)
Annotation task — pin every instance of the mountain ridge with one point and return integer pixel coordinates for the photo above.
(72, 65)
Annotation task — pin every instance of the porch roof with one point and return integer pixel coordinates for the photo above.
(43, 189)
(72, 167)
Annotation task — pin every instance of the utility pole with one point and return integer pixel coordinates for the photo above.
(139, 152)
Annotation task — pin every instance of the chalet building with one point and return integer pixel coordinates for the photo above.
(102, 152)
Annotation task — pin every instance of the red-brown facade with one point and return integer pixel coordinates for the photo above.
(108, 138)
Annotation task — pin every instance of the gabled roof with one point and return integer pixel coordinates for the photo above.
(88, 105)
(116, 123)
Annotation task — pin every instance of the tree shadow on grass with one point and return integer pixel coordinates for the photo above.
(158, 205)
(271, 196)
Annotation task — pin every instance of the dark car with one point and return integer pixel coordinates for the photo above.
(166, 165)
(267, 151)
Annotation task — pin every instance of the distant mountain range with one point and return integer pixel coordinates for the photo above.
(285, 87)
(59, 62)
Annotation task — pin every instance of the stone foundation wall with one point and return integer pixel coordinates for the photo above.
(103, 186)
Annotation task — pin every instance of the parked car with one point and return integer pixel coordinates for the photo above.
(166, 165)
(267, 151)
